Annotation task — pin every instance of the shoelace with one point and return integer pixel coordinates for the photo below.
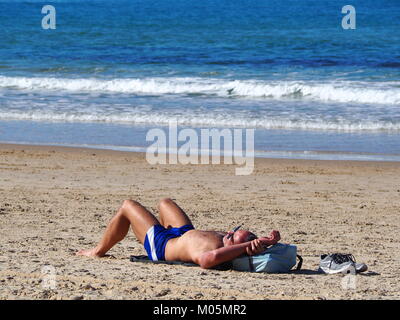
(341, 258)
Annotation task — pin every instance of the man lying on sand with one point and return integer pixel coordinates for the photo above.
(174, 238)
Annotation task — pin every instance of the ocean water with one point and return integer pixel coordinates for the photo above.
(112, 70)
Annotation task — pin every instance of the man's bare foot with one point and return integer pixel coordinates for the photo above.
(89, 253)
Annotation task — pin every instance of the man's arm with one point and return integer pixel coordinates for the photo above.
(215, 257)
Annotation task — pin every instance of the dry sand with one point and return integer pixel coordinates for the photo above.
(56, 200)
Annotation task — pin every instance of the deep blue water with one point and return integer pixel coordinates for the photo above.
(286, 68)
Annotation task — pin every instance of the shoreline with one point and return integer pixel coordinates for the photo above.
(288, 155)
(274, 143)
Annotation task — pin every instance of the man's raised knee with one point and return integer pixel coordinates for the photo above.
(130, 203)
(164, 201)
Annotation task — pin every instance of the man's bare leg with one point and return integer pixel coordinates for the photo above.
(131, 213)
(171, 215)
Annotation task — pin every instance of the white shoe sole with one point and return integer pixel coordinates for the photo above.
(345, 270)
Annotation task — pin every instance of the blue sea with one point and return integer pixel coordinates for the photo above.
(112, 70)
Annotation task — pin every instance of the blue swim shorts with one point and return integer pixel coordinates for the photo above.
(157, 237)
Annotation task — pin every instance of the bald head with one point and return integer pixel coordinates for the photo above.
(241, 236)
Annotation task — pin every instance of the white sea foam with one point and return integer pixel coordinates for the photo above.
(202, 120)
(334, 91)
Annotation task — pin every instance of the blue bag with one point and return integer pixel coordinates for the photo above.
(279, 258)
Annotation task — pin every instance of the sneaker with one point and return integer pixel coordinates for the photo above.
(337, 262)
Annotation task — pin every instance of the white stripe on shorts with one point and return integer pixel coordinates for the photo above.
(150, 237)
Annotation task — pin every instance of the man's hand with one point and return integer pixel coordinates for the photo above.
(256, 247)
(273, 238)
(259, 245)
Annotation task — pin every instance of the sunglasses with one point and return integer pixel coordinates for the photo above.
(234, 230)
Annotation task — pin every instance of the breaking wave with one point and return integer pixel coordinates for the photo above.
(334, 91)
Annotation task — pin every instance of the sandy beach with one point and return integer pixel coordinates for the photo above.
(56, 200)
